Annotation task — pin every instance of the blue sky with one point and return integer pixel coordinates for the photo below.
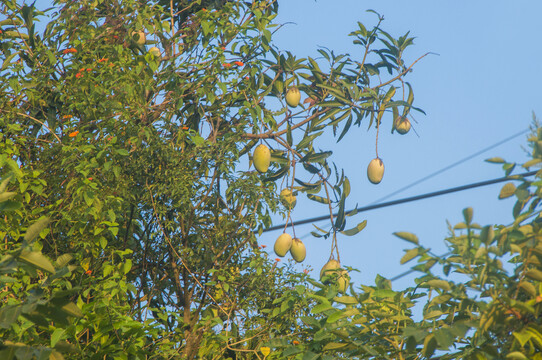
(481, 88)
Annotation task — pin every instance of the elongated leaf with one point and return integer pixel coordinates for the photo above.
(337, 315)
(317, 157)
(321, 307)
(441, 284)
(496, 160)
(37, 259)
(409, 255)
(307, 140)
(407, 236)
(383, 293)
(528, 288)
(347, 300)
(63, 260)
(5, 183)
(334, 346)
(72, 310)
(507, 190)
(8, 315)
(355, 230)
(516, 355)
(339, 220)
(34, 230)
(55, 355)
(248, 146)
(467, 215)
(318, 198)
(7, 195)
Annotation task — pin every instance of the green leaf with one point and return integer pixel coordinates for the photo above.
(534, 274)
(10, 205)
(317, 157)
(37, 260)
(63, 260)
(528, 287)
(321, 307)
(507, 190)
(407, 236)
(523, 337)
(383, 293)
(308, 140)
(467, 215)
(7, 195)
(516, 355)
(347, 300)
(409, 255)
(496, 160)
(355, 230)
(56, 336)
(8, 315)
(5, 183)
(318, 198)
(34, 230)
(334, 346)
(309, 355)
(441, 284)
(292, 350)
(429, 345)
(55, 355)
(72, 310)
(335, 316)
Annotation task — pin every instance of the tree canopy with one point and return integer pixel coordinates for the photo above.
(132, 196)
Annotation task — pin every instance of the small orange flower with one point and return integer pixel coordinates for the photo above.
(223, 47)
(115, 36)
(204, 9)
(111, 65)
(295, 342)
(185, 128)
(277, 259)
(89, 179)
(227, 65)
(89, 69)
(74, 134)
(69, 51)
(239, 63)
(264, 246)
(306, 271)
(78, 75)
(102, 60)
(88, 272)
(67, 117)
(1, 31)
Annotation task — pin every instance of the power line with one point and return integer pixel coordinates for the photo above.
(459, 162)
(409, 199)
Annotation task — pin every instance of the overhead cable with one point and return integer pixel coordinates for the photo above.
(459, 162)
(409, 199)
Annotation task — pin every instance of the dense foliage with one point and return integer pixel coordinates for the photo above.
(131, 208)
